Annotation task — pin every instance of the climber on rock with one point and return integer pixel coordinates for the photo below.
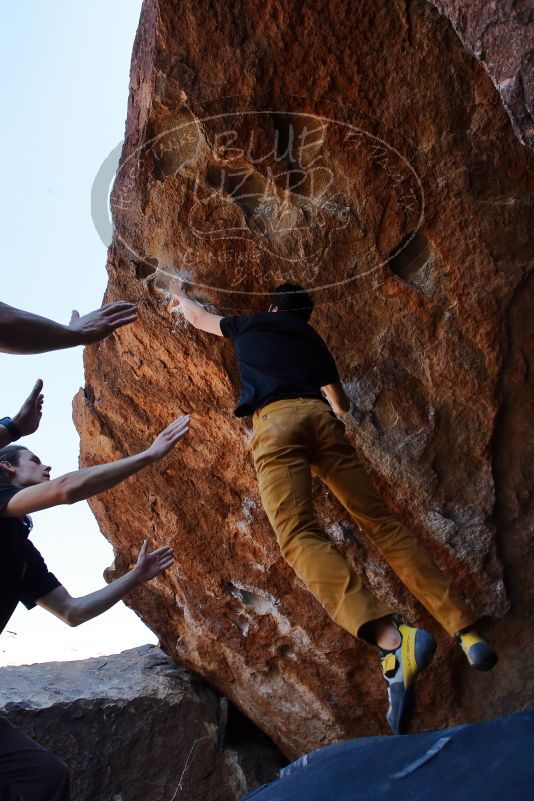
(28, 771)
(291, 387)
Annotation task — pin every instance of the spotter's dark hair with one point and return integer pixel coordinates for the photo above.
(10, 454)
(293, 298)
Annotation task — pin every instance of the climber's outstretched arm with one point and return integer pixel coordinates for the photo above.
(194, 313)
(74, 611)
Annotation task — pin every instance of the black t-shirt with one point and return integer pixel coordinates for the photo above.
(279, 356)
(24, 575)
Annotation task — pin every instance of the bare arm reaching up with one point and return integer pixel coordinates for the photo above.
(25, 333)
(74, 611)
(194, 313)
(27, 419)
(82, 484)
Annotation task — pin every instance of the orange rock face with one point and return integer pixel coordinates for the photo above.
(361, 151)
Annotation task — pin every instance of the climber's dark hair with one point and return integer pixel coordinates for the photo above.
(10, 454)
(293, 298)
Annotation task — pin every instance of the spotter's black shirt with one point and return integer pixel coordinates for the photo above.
(24, 575)
(279, 356)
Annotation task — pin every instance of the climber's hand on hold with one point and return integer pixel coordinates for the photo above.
(168, 438)
(152, 564)
(336, 397)
(194, 313)
(182, 100)
(177, 290)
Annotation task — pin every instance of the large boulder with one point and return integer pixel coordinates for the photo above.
(361, 151)
(133, 726)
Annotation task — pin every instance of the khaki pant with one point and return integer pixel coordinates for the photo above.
(293, 439)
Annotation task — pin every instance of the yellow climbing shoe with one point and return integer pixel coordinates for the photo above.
(401, 668)
(478, 651)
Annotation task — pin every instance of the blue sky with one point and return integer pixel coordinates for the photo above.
(64, 92)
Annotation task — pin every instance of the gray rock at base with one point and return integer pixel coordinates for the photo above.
(135, 727)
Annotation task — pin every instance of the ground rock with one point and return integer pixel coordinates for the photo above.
(361, 151)
(134, 726)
